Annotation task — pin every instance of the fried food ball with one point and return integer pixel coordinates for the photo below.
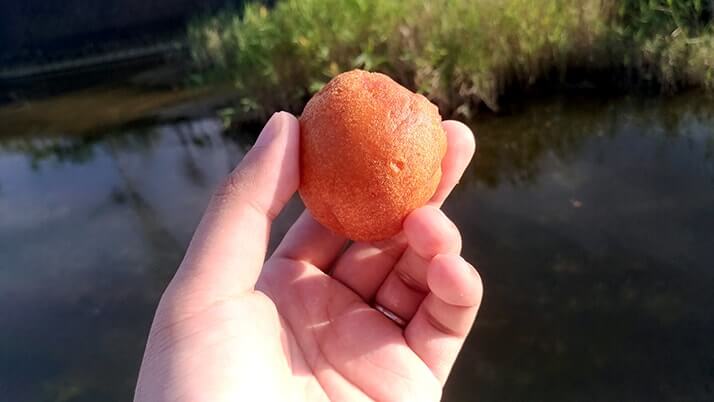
(370, 153)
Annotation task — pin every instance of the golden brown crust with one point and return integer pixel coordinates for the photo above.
(371, 153)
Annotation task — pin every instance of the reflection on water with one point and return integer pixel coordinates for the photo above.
(92, 110)
(592, 222)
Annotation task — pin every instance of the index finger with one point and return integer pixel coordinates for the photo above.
(461, 145)
(295, 245)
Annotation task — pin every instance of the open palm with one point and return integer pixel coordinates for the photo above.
(302, 325)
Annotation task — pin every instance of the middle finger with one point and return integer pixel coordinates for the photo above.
(365, 266)
(429, 233)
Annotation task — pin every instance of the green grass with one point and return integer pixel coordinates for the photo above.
(460, 53)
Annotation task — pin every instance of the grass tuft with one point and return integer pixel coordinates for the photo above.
(460, 53)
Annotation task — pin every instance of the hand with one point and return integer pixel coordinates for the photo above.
(302, 325)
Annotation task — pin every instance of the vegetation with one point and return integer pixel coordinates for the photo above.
(459, 53)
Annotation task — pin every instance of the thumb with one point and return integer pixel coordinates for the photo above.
(228, 249)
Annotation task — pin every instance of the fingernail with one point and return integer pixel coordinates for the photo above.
(271, 130)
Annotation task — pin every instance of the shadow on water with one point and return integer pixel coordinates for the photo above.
(591, 221)
(511, 149)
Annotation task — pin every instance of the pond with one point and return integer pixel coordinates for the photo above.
(591, 221)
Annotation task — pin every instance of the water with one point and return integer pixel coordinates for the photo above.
(592, 223)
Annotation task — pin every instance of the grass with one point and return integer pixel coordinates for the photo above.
(462, 54)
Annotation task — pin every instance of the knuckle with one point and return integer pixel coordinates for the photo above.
(478, 282)
(448, 238)
(233, 184)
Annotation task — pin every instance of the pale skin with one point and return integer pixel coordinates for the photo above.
(300, 326)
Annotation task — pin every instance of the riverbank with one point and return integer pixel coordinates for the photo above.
(463, 55)
(94, 110)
